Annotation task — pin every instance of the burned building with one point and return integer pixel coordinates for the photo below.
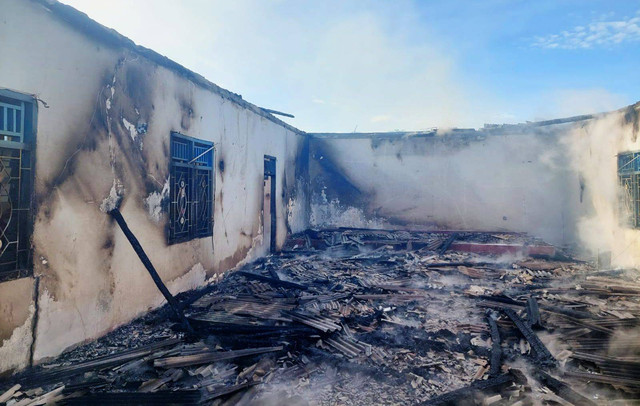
(208, 182)
(186, 158)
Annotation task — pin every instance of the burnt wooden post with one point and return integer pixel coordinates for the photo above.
(173, 303)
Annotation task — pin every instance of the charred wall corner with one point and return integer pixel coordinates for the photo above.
(328, 176)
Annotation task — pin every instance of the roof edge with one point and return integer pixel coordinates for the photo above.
(93, 29)
(487, 129)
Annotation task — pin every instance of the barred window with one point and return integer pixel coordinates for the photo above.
(191, 182)
(629, 176)
(17, 136)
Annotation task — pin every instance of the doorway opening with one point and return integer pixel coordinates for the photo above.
(269, 206)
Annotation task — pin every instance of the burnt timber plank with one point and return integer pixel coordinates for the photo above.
(61, 373)
(210, 357)
(542, 354)
(496, 349)
(465, 396)
(533, 313)
(166, 397)
(272, 281)
(562, 389)
(447, 244)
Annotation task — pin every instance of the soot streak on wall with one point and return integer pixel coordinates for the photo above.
(104, 137)
(510, 182)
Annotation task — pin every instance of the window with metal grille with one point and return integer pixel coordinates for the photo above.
(629, 178)
(191, 177)
(17, 137)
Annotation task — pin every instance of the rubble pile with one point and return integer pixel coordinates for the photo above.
(373, 317)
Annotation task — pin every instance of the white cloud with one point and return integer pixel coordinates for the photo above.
(596, 34)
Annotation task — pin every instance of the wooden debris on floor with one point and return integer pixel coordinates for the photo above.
(360, 317)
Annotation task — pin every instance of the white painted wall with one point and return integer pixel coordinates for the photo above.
(91, 279)
(592, 149)
(517, 182)
(558, 182)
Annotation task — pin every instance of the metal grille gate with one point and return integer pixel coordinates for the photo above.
(16, 136)
(191, 173)
(629, 178)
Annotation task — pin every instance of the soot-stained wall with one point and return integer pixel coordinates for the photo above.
(558, 182)
(103, 136)
(471, 181)
(592, 150)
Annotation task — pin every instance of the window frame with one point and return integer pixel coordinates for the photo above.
(629, 183)
(191, 190)
(19, 147)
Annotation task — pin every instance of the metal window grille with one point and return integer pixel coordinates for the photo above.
(12, 120)
(16, 135)
(191, 181)
(629, 179)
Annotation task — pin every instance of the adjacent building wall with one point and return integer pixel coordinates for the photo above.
(592, 150)
(558, 182)
(98, 92)
(470, 181)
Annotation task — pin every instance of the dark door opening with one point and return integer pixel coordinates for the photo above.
(269, 207)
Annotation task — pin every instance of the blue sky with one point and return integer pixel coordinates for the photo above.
(402, 65)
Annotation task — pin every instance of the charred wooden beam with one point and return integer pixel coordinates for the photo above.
(617, 381)
(165, 397)
(173, 303)
(452, 264)
(61, 373)
(533, 313)
(227, 390)
(542, 354)
(466, 395)
(272, 281)
(496, 349)
(321, 323)
(562, 389)
(447, 244)
(210, 357)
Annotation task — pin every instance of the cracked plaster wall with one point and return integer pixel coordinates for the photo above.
(106, 133)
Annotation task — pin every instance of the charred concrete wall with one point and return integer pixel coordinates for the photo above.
(592, 150)
(558, 182)
(104, 134)
(460, 181)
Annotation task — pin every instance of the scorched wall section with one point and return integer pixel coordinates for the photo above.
(474, 181)
(558, 182)
(104, 124)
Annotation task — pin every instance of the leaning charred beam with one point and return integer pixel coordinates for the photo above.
(117, 216)
(496, 350)
(468, 394)
(447, 244)
(272, 281)
(542, 354)
(562, 389)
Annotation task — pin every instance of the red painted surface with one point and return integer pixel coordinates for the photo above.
(500, 249)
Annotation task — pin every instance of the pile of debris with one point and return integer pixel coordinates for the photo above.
(373, 317)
